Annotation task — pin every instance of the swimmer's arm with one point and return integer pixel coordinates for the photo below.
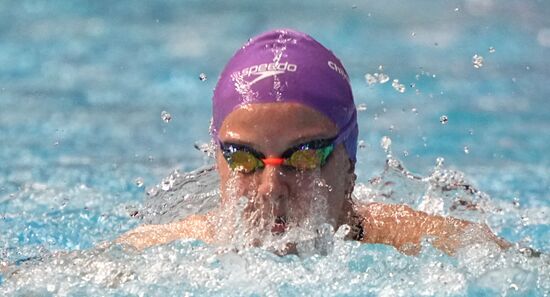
(404, 228)
(195, 226)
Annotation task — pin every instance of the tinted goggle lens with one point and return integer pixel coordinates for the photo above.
(243, 161)
(308, 159)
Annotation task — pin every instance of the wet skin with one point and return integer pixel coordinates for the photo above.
(276, 192)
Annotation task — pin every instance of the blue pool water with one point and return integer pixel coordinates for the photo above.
(83, 85)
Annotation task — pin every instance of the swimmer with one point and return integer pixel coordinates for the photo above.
(285, 129)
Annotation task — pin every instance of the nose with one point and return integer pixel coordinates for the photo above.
(273, 184)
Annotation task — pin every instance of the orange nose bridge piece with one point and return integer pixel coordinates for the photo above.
(273, 161)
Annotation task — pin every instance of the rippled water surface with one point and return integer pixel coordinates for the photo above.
(100, 101)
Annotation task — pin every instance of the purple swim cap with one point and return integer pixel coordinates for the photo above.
(288, 66)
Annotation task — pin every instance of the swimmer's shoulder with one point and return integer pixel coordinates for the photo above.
(192, 227)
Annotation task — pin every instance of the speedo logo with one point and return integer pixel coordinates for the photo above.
(265, 70)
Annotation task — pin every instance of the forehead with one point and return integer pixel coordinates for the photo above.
(287, 121)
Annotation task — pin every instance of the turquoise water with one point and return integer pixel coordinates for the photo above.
(83, 85)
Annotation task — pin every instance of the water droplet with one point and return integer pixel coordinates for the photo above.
(457, 9)
(56, 143)
(362, 144)
(492, 49)
(139, 182)
(362, 107)
(405, 153)
(414, 110)
(392, 127)
(150, 158)
(413, 34)
(439, 161)
(50, 288)
(205, 148)
(515, 202)
(466, 149)
(370, 79)
(380, 68)
(514, 287)
(385, 143)
(165, 116)
(527, 68)
(443, 119)
(202, 77)
(477, 60)
(471, 131)
(382, 78)
(397, 86)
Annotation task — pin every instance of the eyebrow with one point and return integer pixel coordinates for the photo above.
(315, 142)
(296, 142)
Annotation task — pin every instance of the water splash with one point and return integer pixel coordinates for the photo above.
(328, 264)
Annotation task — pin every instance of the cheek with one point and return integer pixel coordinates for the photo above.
(336, 175)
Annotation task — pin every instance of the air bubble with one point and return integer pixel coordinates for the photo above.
(362, 144)
(413, 34)
(203, 77)
(439, 161)
(139, 182)
(466, 150)
(477, 61)
(405, 153)
(443, 119)
(165, 116)
(414, 110)
(362, 107)
(515, 202)
(492, 49)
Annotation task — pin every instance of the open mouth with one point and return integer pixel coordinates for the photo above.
(279, 226)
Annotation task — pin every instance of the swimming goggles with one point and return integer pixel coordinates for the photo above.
(305, 156)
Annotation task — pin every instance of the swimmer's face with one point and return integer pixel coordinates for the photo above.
(279, 197)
